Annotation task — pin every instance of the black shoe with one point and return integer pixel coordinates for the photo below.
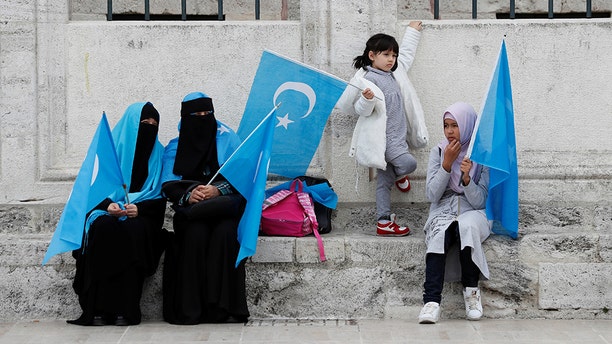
(96, 321)
(121, 321)
(236, 319)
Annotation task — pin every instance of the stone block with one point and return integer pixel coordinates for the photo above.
(400, 253)
(274, 250)
(578, 285)
(566, 247)
(605, 248)
(15, 220)
(316, 291)
(307, 249)
(603, 217)
(36, 292)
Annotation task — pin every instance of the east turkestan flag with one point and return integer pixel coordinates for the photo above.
(99, 176)
(247, 170)
(493, 144)
(306, 96)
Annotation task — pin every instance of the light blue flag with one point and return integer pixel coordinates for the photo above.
(98, 177)
(493, 144)
(247, 171)
(306, 97)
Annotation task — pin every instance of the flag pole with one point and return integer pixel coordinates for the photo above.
(361, 89)
(127, 198)
(468, 154)
(245, 140)
(317, 70)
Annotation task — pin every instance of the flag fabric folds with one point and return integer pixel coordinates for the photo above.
(493, 144)
(306, 97)
(247, 170)
(99, 176)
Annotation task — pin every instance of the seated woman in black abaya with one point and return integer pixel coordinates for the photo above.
(201, 282)
(125, 238)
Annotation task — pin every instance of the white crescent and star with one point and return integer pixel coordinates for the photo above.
(284, 121)
(221, 129)
(257, 167)
(94, 172)
(299, 87)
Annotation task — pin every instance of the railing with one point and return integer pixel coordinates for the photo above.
(436, 9)
(147, 13)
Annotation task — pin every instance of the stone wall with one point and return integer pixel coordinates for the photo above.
(57, 76)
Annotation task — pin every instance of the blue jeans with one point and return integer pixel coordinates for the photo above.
(435, 265)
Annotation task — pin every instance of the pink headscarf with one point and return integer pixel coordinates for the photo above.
(465, 116)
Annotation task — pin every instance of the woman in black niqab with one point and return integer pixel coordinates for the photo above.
(125, 240)
(201, 282)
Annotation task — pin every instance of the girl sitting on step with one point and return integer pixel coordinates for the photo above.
(457, 224)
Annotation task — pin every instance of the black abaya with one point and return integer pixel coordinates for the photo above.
(201, 282)
(118, 256)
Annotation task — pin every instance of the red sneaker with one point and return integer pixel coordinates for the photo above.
(403, 184)
(390, 228)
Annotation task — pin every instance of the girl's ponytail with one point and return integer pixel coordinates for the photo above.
(362, 61)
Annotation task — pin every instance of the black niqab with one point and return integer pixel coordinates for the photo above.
(147, 136)
(196, 154)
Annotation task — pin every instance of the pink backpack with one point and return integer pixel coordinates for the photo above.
(291, 213)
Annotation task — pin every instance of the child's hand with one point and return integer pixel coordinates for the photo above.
(368, 93)
(416, 24)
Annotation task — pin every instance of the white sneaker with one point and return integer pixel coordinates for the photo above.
(430, 313)
(473, 306)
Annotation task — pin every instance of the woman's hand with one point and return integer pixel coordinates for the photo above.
(131, 210)
(451, 152)
(115, 210)
(466, 166)
(202, 192)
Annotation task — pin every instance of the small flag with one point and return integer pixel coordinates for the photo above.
(306, 97)
(247, 170)
(99, 176)
(493, 144)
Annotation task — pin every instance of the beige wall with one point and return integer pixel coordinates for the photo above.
(59, 76)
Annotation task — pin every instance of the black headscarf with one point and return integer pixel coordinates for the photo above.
(196, 154)
(147, 136)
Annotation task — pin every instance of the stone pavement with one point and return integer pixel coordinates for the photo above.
(318, 332)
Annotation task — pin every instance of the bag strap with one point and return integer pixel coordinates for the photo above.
(306, 203)
(274, 199)
(320, 244)
(298, 183)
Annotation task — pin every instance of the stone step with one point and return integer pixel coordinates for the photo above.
(550, 272)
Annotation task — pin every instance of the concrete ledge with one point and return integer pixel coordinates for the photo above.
(558, 268)
(580, 285)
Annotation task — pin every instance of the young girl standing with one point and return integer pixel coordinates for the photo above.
(457, 224)
(390, 118)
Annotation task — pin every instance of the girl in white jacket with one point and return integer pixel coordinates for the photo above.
(390, 117)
